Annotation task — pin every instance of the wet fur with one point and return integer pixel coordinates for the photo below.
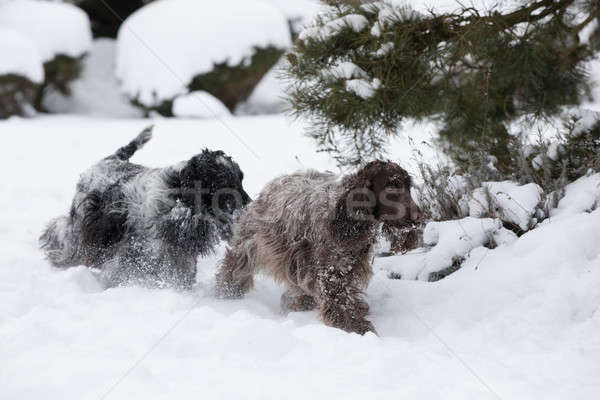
(146, 224)
(302, 232)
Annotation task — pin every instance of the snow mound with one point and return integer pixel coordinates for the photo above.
(199, 104)
(581, 196)
(20, 56)
(157, 64)
(508, 201)
(97, 90)
(55, 28)
(451, 243)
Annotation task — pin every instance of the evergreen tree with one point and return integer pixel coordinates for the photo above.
(366, 66)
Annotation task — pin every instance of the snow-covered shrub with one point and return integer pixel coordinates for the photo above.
(97, 91)
(222, 47)
(21, 73)
(550, 154)
(517, 206)
(547, 178)
(442, 194)
(447, 245)
(570, 153)
(60, 33)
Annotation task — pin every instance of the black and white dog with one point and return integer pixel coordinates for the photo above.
(147, 224)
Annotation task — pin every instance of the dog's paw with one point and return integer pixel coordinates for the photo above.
(362, 326)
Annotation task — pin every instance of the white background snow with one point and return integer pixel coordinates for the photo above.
(517, 322)
(520, 321)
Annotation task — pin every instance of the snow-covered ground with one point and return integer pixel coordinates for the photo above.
(520, 321)
(517, 322)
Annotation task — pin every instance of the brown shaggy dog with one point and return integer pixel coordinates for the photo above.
(314, 232)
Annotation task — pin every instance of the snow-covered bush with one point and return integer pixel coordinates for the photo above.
(442, 193)
(223, 47)
(517, 206)
(446, 196)
(557, 178)
(550, 155)
(21, 73)
(97, 91)
(571, 152)
(60, 34)
(447, 245)
(450, 245)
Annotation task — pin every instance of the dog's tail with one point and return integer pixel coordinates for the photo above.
(126, 152)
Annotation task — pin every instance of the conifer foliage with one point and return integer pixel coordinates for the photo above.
(363, 67)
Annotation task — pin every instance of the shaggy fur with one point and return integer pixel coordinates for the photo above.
(314, 232)
(148, 224)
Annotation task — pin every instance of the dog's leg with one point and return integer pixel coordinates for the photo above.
(235, 277)
(296, 300)
(341, 303)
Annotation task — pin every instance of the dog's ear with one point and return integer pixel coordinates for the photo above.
(388, 186)
(391, 186)
(374, 178)
(355, 210)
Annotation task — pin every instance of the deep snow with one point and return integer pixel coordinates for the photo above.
(517, 322)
